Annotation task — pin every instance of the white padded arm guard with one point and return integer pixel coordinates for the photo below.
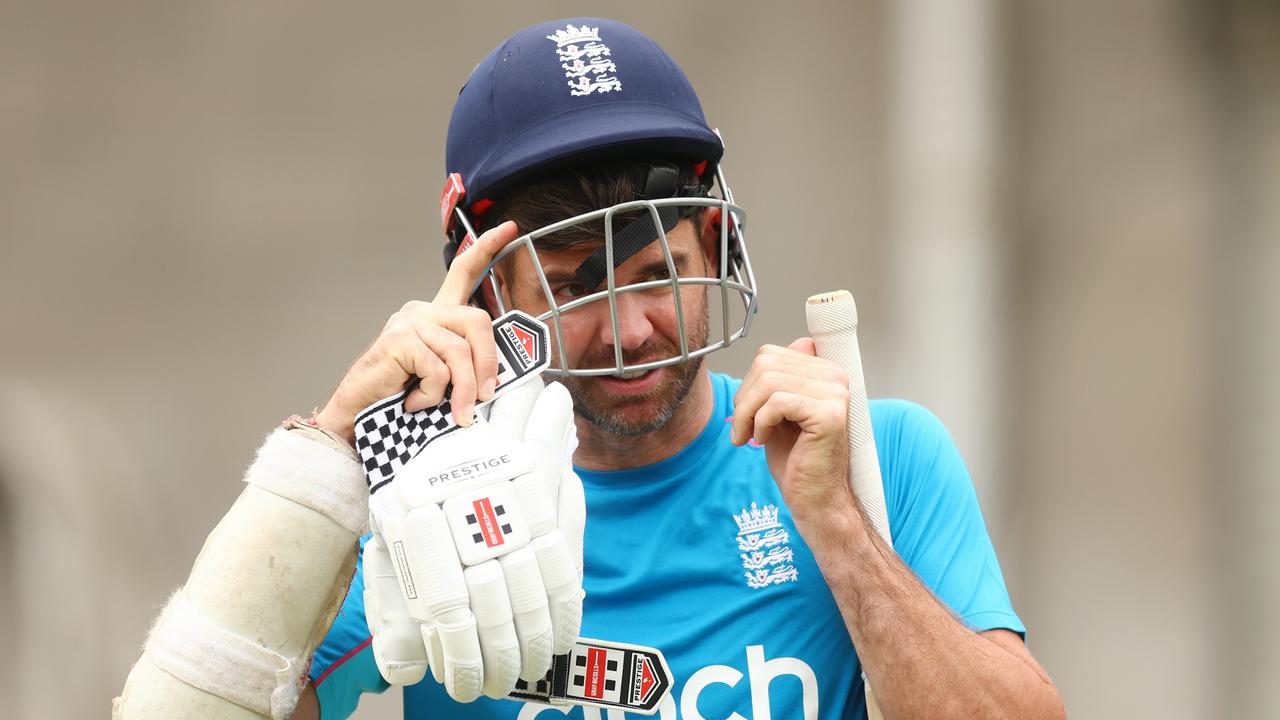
(236, 640)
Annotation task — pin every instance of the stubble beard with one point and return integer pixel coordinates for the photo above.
(593, 404)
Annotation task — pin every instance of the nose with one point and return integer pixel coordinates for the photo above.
(634, 326)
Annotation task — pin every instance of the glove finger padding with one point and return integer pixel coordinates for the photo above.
(564, 589)
(433, 582)
(397, 643)
(550, 434)
(434, 652)
(529, 608)
(572, 516)
(460, 643)
(495, 626)
(544, 423)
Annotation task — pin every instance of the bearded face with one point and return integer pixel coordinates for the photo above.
(631, 407)
(648, 330)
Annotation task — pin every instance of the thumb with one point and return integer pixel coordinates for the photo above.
(804, 345)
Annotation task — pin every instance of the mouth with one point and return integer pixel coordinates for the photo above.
(631, 374)
(632, 382)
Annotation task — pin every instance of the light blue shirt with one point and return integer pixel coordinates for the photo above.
(697, 555)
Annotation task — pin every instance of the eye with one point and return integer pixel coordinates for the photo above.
(571, 290)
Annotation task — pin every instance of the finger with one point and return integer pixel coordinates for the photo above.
(809, 413)
(789, 359)
(398, 649)
(467, 268)
(529, 608)
(495, 627)
(773, 382)
(476, 327)
(473, 325)
(434, 376)
(798, 352)
(768, 357)
(564, 589)
(773, 412)
(804, 346)
(747, 401)
(781, 368)
(456, 354)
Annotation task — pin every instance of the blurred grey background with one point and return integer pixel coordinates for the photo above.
(1061, 221)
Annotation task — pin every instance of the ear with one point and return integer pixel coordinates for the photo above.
(488, 301)
(709, 237)
(485, 293)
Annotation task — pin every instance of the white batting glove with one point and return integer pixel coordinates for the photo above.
(475, 566)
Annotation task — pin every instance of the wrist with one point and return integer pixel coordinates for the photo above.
(835, 515)
(336, 424)
(837, 532)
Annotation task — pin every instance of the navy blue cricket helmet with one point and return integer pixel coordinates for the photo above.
(569, 93)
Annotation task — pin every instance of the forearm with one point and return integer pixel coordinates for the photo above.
(921, 661)
(235, 639)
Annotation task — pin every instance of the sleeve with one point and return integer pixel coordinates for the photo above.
(934, 518)
(343, 667)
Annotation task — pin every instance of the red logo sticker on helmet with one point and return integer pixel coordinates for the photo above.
(449, 197)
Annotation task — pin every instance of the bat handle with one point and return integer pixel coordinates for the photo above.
(832, 318)
(833, 323)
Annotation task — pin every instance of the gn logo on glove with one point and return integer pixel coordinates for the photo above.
(486, 518)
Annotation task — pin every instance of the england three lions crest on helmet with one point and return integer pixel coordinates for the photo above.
(586, 60)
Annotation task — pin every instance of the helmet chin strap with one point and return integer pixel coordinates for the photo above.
(661, 182)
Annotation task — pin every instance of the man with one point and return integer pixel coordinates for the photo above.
(672, 482)
(722, 528)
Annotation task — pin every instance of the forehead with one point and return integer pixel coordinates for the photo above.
(565, 258)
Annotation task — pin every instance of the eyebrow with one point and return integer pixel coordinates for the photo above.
(678, 258)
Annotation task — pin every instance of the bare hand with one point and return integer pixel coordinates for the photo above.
(796, 405)
(443, 342)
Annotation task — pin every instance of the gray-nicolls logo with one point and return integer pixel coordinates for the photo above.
(766, 547)
(586, 60)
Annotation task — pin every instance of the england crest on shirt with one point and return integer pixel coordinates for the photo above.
(765, 545)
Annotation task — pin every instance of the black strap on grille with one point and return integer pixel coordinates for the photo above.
(661, 183)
